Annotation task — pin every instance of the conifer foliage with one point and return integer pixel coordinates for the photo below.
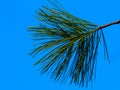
(71, 44)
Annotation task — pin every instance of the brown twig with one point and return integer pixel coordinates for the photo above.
(109, 24)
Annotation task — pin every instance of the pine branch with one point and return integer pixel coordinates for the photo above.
(109, 24)
(70, 45)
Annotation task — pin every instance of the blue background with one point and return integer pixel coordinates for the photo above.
(16, 66)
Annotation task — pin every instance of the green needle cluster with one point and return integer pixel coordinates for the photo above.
(71, 44)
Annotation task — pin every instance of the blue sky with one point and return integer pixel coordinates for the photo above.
(16, 66)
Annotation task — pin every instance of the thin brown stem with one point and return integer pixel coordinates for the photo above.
(109, 24)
